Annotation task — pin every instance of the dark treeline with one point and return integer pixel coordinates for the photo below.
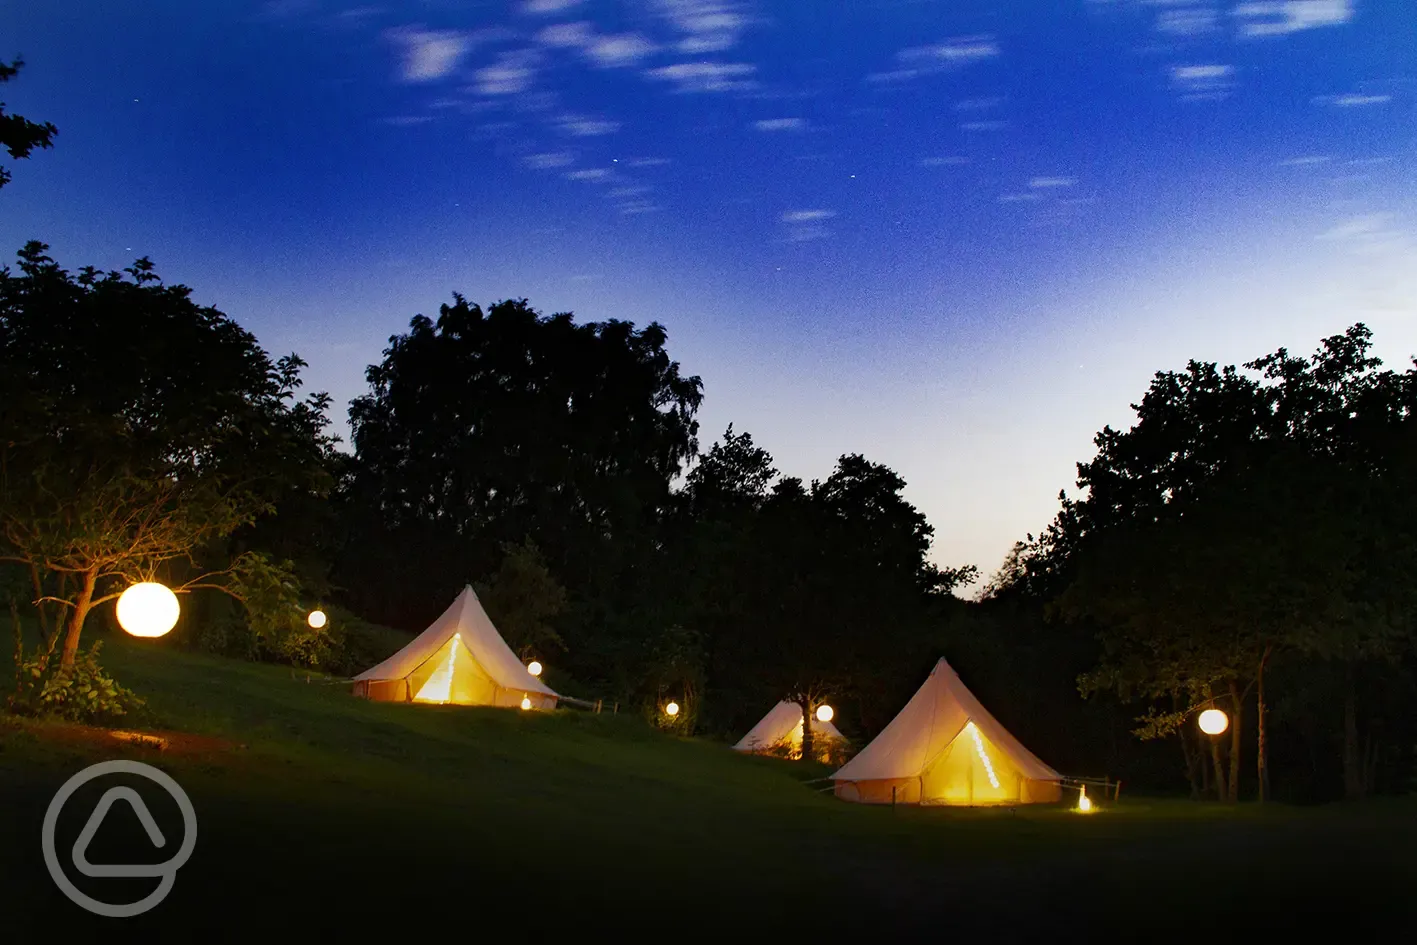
(1247, 544)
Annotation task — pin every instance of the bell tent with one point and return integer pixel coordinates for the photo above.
(945, 748)
(461, 659)
(782, 728)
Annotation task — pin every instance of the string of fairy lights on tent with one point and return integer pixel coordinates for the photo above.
(983, 756)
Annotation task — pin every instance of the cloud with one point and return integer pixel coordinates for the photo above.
(1281, 17)
(1352, 100)
(977, 104)
(1187, 21)
(706, 76)
(1042, 183)
(621, 50)
(635, 191)
(428, 55)
(1363, 226)
(1203, 81)
(951, 54)
(807, 216)
(586, 127)
(1304, 161)
(546, 7)
(567, 35)
(548, 160)
(1018, 198)
(404, 120)
(943, 161)
(511, 74)
(647, 162)
(706, 26)
(983, 125)
(780, 124)
(590, 173)
(640, 206)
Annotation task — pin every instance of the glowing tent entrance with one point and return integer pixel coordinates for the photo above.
(781, 729)
(945, 748)
(459, 659)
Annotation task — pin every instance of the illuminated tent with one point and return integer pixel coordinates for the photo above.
(782, 728)
(945, 748)
(460, 658)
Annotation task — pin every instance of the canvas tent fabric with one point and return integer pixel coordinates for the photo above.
(945, 748)
(461, 659)
(782, 727)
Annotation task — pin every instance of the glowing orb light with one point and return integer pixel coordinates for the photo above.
(1084, 802)
(534, 668)
(317, 619)
(825, 713)
(148, 610)
(1213, 721)
(526, 702)
(672, 709)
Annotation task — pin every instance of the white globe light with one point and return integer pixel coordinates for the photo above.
(317, 619)
(1213, 721)
(526, 702)
(672, 709)
(825, 713)
(534, 668)
(148, 610)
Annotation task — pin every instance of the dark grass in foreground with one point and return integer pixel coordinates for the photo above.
(321, 813)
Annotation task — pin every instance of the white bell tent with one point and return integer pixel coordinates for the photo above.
(781, 729)
(945, 748)
(460, 659)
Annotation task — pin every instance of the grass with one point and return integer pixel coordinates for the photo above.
(323, 813)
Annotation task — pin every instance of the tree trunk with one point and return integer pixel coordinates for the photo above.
(1195, 767)
(1352, 761)
(1236, 745)
(76, 617)
(807, 740)
(1261, 747)
(1220, 793)
(38, 583)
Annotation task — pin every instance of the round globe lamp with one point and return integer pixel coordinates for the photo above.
(1213, 721)
(672, 709)
(317, 619)
(825, 713)
(148, 610)
(534, 668)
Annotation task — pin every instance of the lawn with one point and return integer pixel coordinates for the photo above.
(322, 814)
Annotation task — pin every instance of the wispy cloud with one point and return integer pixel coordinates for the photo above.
(567, 35)
(948, 161)
(1045, 183)
(637, 190)
(1281, 17)
(623, 50)
(803, 226)
(706, 76)
(1019, 198)
(582, 127)
(428, 55)
(550, 159)
(704, 26)
(1208, 81)
(407, 120)
(511, 74)
(647, 162)
(546, 7)
(983, 125)
(925, 60)
(1305, 161)
(1188, 21)
(781, 124)
(1352, 100)
(590, 173)
(977, 104)
(807, 216)
(1364, 226)
(638, 206)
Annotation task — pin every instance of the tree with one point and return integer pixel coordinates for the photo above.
(140, 434)
(523, 599)
(487, 427)
(19, 135)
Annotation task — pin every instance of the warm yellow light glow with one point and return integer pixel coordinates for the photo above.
(1213, 721)
(534, 668)
(983, 756)
(672, 709)
(148, 610)
(1084, 802)
(317, 619)
(526, 702)
(825, 713)
(439, 687)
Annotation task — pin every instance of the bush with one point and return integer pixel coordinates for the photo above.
(82, 692)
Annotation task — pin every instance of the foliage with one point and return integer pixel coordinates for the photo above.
(80, 692)
(19, 135)
(523, 599)
(141, 435)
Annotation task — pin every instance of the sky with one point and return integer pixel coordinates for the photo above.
(956, 237)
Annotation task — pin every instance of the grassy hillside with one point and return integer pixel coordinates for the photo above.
(321, 813)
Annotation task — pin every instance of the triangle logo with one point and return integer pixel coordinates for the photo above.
(145, 817)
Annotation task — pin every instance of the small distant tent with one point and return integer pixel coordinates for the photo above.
(945, 748)
(781, 729)
(460, 659)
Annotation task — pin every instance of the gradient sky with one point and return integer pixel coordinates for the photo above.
(957, 237)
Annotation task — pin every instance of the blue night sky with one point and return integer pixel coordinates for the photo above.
(957, 237)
